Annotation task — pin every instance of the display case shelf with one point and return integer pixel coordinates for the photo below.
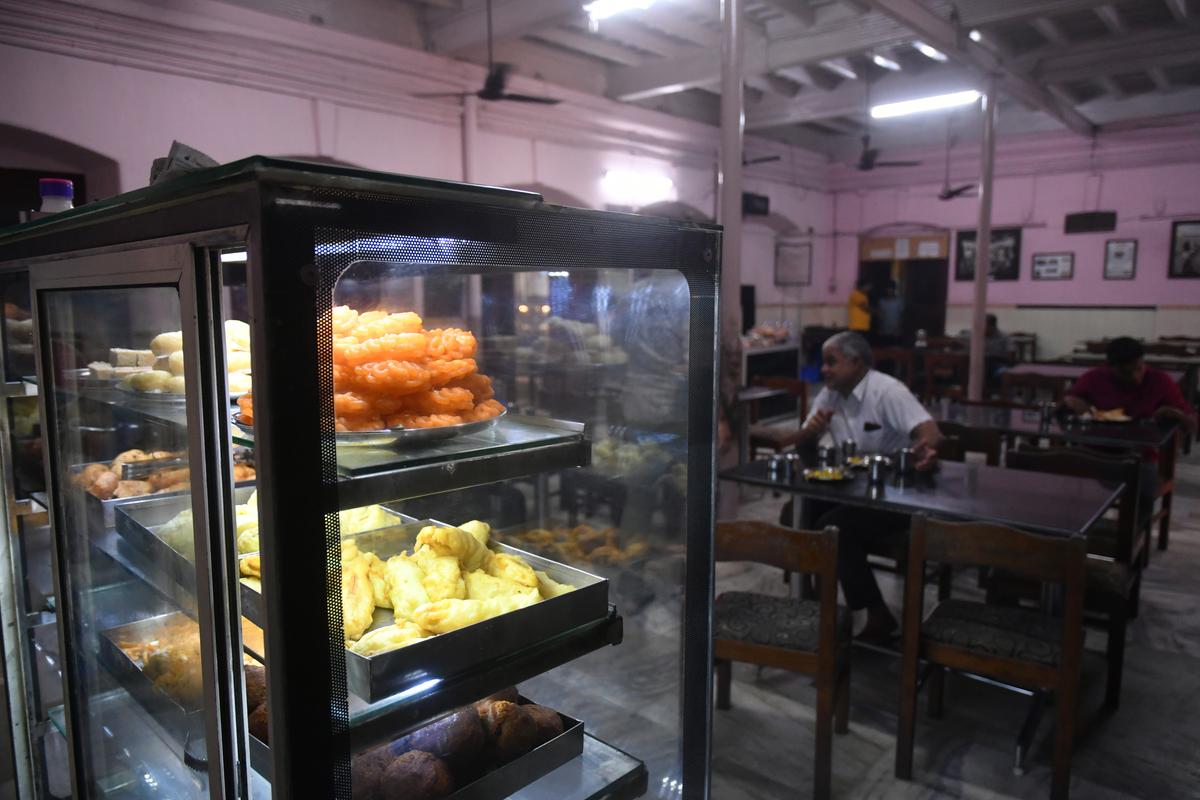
(516, 447)
(601, 772)
(373, 723)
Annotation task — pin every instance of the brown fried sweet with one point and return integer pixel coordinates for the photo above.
(417, 775)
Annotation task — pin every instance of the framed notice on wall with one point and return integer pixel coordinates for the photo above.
(793, 263)
(1185, 250)
(1006, 255)
(1053, 266)
(1120, 259)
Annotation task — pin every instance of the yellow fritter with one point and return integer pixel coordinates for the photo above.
(513, 568)
(389, 637)
(548, 587)
(442, 576)
(406, 586)
(377, 571)
(454, 542)
(358, 595)
(444, 616)
(480, 530)
(481, 586)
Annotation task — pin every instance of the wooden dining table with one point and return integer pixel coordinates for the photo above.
(1137, 437)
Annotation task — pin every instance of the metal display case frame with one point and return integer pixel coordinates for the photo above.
(289, 216)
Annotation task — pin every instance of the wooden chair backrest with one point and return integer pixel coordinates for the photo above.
(901, 358)
(973, 440)
(1050, 559)
(1027, 387)
(761, 542)
(1171, 349)
(944, 366)
(1080, 463)
(945, 343)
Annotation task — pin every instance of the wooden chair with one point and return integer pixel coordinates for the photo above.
(945, 375)
(806, 636)
(1031, 388)
(1013, 645)
(1116, 549)
(778, 438)
(900, 359)
(962, 439)
(956, 343)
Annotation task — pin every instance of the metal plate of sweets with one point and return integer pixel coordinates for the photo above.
(394, 437)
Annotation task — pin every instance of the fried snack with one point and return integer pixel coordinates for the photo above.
(444, 616)
(455, 542)
(353, 424)
(423, 420)
(250, 567)
(104, 485)
(548, 587)
(450, 343)
(392, 346)
(417, 775)
(481, 586)
(442, 576)
(175, 385)
(513, 568)
(88, 475)
(167, 477)
(128, 457)
(402, 322)
(240, 382)
(377, 572)
(389, 637)
(406, 587)
(480, 386)
(442, 372)
(511, 730)
(256, 686)
(243, 472)
(485, 410)
(549, 722)
(132, 488)
(258, 724)
(237, 335)
(358, 594)
(480, 530)
(441, 401)
(236, 361)
(393, 377)
(246, 406)
(175, 363)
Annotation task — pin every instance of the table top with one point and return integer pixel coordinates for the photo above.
(1057, 505)
(1066, 370)
(1135, 435)
(752, 393)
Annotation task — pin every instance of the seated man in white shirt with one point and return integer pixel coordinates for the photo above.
(880, 415)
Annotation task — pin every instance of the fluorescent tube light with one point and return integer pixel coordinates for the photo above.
(922, 104)
(234, 257)
(840, 67)
(603, 9)
(929, 52)
(886, 63)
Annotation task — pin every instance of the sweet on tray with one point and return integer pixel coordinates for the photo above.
(450, 580)
(390, 372)
(582, 543)
(107, 481)
(159, 370)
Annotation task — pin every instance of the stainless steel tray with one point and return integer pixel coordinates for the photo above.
(185, 726)
(392, 437)
(441, 657)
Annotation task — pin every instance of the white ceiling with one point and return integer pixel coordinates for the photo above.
(1062, 64)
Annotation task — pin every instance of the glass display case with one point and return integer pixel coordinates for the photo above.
(369, 486)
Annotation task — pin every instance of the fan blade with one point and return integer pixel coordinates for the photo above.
(528, 98)
(897, 163)
(428, 95)
(493, 84)
(760, 160)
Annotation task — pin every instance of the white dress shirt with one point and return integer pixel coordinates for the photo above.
(879, 415)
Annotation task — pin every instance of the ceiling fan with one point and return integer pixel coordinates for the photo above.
(948, 192)
(496, 80)
(760, 160)
(869, 159)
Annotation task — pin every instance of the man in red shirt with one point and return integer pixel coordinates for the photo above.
(1127, 383)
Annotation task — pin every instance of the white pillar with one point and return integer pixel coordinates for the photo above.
(730, 170)
(983, 245)
(470, 126)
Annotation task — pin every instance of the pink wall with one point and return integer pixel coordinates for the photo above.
(1040, 202)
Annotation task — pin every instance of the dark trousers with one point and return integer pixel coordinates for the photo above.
(860, 531)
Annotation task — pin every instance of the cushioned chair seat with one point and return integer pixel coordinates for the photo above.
(775, 621)
(996, 630)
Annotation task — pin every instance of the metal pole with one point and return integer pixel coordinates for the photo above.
(730, 171)
(470, 126)
(983, 240)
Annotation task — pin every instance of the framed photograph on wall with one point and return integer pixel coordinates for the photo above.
(1053, 266)
(1005, 260)
(1185, 249)
(1120, 259)
(793, 263)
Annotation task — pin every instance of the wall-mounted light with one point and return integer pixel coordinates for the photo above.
(524, 309)
(885, 62)
(629, 187)
(928, 51)
(975, 35)
(603, 9)
(545, 309)
(922, 104)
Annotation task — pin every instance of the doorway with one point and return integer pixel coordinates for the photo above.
(921, 283)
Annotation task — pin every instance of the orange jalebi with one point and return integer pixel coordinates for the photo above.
(450, 343)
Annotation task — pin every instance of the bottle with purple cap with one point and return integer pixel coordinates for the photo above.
(58, 194)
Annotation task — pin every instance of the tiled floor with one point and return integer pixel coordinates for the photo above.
(762, 747)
